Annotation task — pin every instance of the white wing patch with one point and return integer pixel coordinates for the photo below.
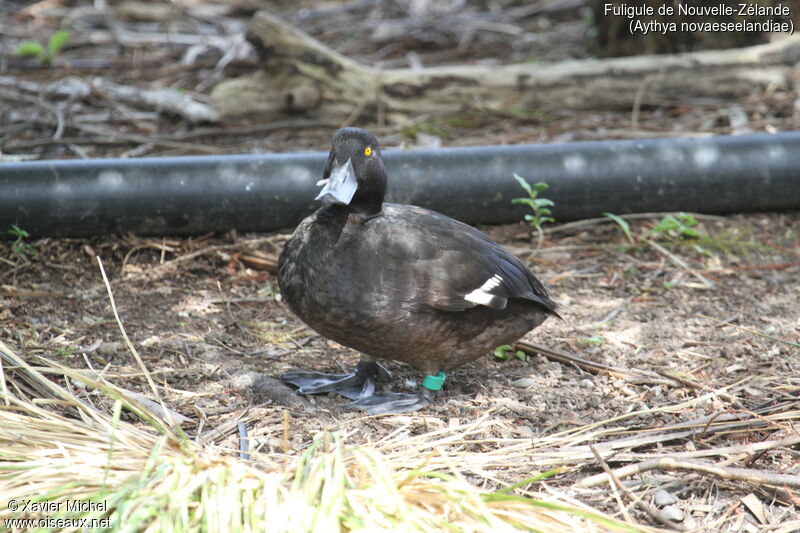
(483, 295)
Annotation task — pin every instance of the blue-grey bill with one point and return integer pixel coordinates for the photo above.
(341, 185)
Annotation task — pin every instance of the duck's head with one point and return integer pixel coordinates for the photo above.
(354, 174)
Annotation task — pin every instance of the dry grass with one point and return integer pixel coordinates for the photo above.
(58, 445)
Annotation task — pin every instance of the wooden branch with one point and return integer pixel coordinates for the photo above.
(759, 477)
(159, 100)
(562, 357)
(302, 74)
(582, 452)
(168, 100)
(161, 411)
(617, 484)
(260, 261)
(593, 367)
(614, 486)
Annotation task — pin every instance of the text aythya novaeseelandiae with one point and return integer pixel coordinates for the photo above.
(398, 282)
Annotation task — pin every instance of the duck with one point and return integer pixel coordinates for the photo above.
(398, 282)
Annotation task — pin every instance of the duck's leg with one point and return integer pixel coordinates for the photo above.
(354, 386)
(399, 402)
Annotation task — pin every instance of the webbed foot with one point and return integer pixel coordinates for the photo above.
(393, 402)
(354, 386)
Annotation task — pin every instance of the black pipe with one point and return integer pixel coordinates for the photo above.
(184, 195)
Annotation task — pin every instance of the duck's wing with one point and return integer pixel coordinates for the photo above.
(452, 266)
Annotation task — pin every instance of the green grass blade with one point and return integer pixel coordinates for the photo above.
(57, 43)
(623, 225)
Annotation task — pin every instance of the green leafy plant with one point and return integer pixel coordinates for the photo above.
(540, 206)
(681, 228)
(19, 247)
(64, 351)
(45, 54)
(594, 340)
(504, 351)
(677, 227)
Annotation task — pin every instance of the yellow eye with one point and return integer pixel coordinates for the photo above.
(368, 151)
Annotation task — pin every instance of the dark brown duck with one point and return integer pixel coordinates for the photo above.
(398, 282)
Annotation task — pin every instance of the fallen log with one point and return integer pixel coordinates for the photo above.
(301, 74)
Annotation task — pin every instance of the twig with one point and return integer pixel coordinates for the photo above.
(357, 110)
(692, 384)
(592, 367)
(569, 273)
(748, 330)
(327, 12)
(163, 267)
(154, 407)
(655, 515)
(77, 150)
(169, 100)
(680, 263)
(664, 409)
(771, 266)
(610, 316)
(140, 38)
(59, 131)
(221, 431)
(110, 137)
(256, 261)
(72, 87)
(614, 488)
(263, 127)
(740, 449)
(646, 438)
(227, 303)
(637, 100)
(568, 358)
(130, 345)
(759, 477)
(147, 245)
(116, 137)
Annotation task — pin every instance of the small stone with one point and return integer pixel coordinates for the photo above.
(109, 348)
(526, 431)
(151, 341)
(672, 513)
(663, 498)
(690, 523)
(524, 383)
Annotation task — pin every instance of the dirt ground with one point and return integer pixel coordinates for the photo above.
(213, 333)
(671, 322)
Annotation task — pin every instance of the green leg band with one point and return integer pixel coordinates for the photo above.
(434, 383)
